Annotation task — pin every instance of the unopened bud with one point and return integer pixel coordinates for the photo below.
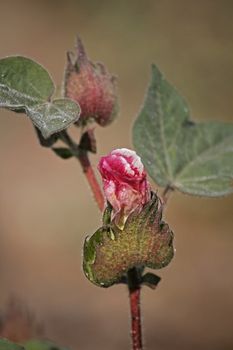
(92, 87)
(125, 182)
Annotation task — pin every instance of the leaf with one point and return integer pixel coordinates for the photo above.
(62, 152)
(8, 345)
(25, 86)
(145, 241)
(195, 158)
(150, 280)
(88, 141)
(23, 82)
(42, 345)
(52, 117)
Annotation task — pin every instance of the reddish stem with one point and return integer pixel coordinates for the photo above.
(82, 156)
(134, 295)
(135, 319)
(91, 178)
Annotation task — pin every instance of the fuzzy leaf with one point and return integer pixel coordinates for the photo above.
(195, 158)
(23, 82)
(42, 345)
(145, 241)
(25, 86)
(52, 117)
(8, 345)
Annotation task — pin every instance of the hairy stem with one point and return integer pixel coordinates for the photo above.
(134, 281)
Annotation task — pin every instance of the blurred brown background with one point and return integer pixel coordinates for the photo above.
(46, 208)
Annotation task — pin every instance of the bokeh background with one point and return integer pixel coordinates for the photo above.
(46, 208)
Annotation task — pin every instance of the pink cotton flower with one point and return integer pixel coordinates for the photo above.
(124, 181)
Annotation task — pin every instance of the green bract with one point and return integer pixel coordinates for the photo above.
(25, 86)
(196, 158)
(145, 241)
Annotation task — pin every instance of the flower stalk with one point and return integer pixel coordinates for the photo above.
(82, 156)
(91, 178)
(134, 286)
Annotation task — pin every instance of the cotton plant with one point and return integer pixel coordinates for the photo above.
(178, 154)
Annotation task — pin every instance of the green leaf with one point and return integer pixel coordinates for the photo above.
(88, 141)
(25, 86)
(8, 345)
(52, 117)
(145, 241)
(62, 152)
(42, 345)
(23, 82)
(150, 280)
(195, 158)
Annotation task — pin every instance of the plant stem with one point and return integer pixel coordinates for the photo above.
(134, 277)
(91, 178)
(82, 156)
(166, 194)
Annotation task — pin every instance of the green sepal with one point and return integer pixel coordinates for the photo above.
(107, 214)
(145, 241)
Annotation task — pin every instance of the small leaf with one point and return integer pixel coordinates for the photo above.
(150, 280)
(88, 141)
(42, 345)
(62, 152)
(145, 241)
(25, 86)
(196, 158)
(23, 82)
(52, 117)
(8, 345)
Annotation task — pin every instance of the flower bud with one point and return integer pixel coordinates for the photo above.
(92, 87)
(124, 182)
